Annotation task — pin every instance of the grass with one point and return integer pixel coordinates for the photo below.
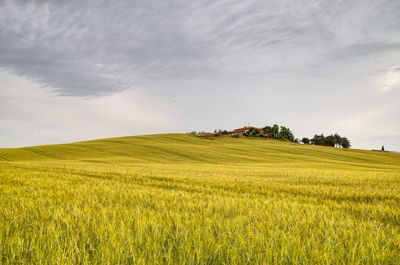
(181, 199)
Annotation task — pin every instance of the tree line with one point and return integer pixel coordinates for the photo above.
(275, 131)
(334, 140)
(284, 133)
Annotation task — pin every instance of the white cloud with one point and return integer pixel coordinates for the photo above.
(30, 116)
(391, 79)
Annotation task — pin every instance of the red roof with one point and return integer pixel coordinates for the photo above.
(246, 128)
(243, 129)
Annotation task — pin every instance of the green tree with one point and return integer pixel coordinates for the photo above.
(254, 132)
(275, 131)
(286, 133)
(268, 131)
(305, 140)
(337, 139)
(345, 143)
(318, 139)
(329, 141)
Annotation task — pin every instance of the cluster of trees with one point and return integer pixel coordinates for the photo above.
(220, 132)
(334, 140)
(275, 131)
(284, 133)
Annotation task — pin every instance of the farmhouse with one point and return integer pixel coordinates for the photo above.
(243, 130)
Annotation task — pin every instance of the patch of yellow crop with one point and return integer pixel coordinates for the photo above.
(179, 199)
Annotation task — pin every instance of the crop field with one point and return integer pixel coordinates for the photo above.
(181, 199)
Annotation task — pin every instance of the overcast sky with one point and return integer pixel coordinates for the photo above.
(76, 70)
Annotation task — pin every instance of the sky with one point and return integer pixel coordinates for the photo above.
(79, 70)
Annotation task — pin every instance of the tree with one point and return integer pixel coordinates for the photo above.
(383, 148)
(305, 140)
(254, 132)
(329, 141)
(318, 139)
(286, 133)
(337, 139)
(275, 131)
(217, 132)
(345, 143)
(334, 140)
(268, 131)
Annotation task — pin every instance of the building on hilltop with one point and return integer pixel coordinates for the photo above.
(241, 130)
(245, 129)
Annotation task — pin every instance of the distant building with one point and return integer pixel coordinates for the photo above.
(243, 130)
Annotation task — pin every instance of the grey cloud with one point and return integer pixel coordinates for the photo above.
(362, 50)
(70, 46)
(83, 49)
(99, 47)
(227, 62)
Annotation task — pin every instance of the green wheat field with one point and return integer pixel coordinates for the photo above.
(182, 199)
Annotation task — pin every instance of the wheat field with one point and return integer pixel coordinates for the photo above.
(181, 199)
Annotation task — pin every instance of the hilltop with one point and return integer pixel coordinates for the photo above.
(185, 148)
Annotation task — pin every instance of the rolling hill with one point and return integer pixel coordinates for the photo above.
(181, 199)
(181, 148)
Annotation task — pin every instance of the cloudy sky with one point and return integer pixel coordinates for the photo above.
(75, 70)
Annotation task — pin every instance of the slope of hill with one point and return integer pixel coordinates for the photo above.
(177, 199)
(181, 148)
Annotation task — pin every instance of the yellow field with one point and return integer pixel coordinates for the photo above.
(181, 199)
